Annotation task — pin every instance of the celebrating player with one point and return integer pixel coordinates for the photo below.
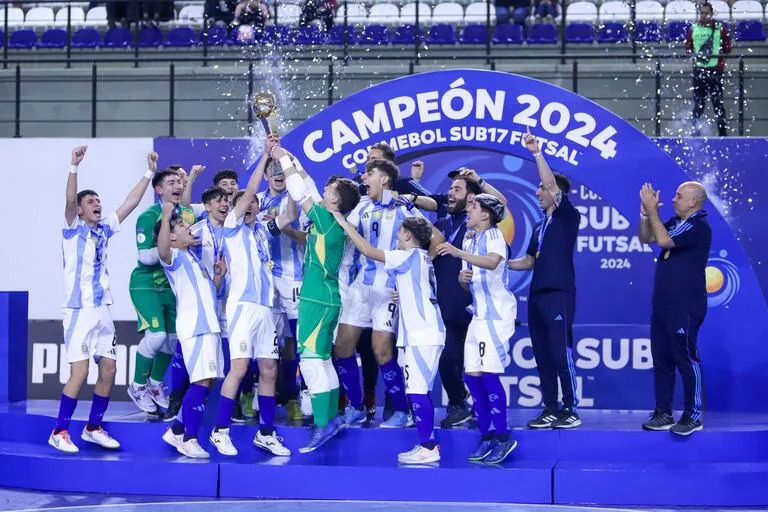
(88, 328)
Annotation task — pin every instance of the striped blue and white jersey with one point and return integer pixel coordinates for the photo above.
(287, 254)
(196, 312)
(210, 249)
(491, 299)
(246, 252)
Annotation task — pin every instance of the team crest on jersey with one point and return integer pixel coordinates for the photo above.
(84, 348)
(376, 215)
(243, 346)
(389, 214)
(212, 365)
(141, 238)
(155, 322)
(188, 217)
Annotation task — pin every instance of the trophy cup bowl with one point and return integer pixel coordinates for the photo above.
(264, 105)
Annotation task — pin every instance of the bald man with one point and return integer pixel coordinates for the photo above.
(679, 301)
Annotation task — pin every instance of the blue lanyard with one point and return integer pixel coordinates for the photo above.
(452, 236)
(99, 242)
(216, 241)
(272, 200)
(199, 264)
(542, 230)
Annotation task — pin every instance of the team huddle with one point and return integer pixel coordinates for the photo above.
(248, 285)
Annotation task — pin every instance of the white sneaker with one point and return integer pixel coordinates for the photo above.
(271, 443)
(100, 437)
(419, 455)
(140, 396)
(157, 394)
(192, 449)
(173, 439)
(221, 440)
(305, 402)
(63, 442)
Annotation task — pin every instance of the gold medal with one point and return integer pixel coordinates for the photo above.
(270, 264)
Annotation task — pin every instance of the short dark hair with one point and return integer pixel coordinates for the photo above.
(386, 150)
(213, 193)
(158, 178)
(349, 195)
(706, 4)
(563, 183)
(388, 167)
(224, 174)
(420, 228)
(87, 192)
(174, 222)
(472, 186)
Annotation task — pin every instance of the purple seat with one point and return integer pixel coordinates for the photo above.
(215, 36)
(336, 36)
(85, 38)
(309, 35)
(53, 38)
(404, 34)
(750, 30)
(580, 33)
(373, 34)
(677, 30)
(612, 33)
(544, 33)
(150, 36)
(181, 37)
(117, 37)
(474, 34)
(442, 33)
(508, 33)
(277, 34)
(23, 39)
(647, 32)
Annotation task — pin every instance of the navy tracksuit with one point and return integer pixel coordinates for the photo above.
(552, 302)
(679, 307)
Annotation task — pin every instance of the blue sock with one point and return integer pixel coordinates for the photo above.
(480, 399)
(66, 409)
(393, 380)
(98, 407)
(424, 416)
(349, 373)
(497, 401)
(179, 375)
(194, 406)
(266, 414)
(292, 327)
(226, 406)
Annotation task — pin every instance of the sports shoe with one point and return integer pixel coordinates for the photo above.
(192, 448)
(305, 402)
(455, 415)
(501, 451)
(174, 406)
(545, 419)
(157, 394)
(63, 442)
(173, 439)
(658, 420)
(369, 402)
(419, 455)
(353, 415)
(318, 437)
(100, 437)
(271, 443)
(483, 450)
(294, 411)
(140, 397)
(223, 443)
(399, 419)
(388, 410)
(567, 419)
(686, 426)
(246, 405)
(237, 414)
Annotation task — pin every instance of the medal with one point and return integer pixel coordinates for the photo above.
(269, 264)
(666, 254)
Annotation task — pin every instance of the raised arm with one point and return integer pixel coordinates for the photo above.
(650, 200)
(70, 205)
(547, 178)
(133, 198)
(425, 203)
(489, 262)
(300, 186)
(485, 187)
(363, 245)
(644, 232)
(186, 194)
(164, 236)
(254, 182)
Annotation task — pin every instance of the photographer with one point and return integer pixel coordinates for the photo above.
(707, 41)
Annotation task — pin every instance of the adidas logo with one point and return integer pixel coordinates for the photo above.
(681, 331)
(559, 317)
(494, 410)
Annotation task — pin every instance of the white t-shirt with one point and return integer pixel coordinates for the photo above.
(287, 254)
(491, 300)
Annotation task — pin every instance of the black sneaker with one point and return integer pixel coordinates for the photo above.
(567, 419)
(658, 420)
(545, 419)
(237, 414)
(686, 426)
(174, 406)
(455, 415)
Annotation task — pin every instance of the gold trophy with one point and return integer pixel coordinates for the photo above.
(264, 105)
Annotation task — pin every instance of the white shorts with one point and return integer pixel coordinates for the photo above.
(487, 346)
(203, 357)
(366, 306)
(420, 368)
(288, 297)
(89, 332)
(252, 332)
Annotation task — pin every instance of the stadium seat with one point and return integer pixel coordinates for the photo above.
(750, 30)
(309, 35)
(614, 11)
(612, 33)
(384, 14)
(191, 15)
(76, 14)
(53, 38)
(150, 36)
(579, 33)
(337, 35)
(680, 10)
(85, 38)
(356, 14)
(373, 34)
(581, 12)
(181, 37)
(722, 10)
(96, 16)
(215, 36)
(647, 32)
(677, 30)
(277, 34)
(39, 17)
(117, 37)
(746, 10)
(406, 34)
(508, 33)
(408, 14)
(649, 10)
(474, 34)
(23, 39)
(543, 33)
(441, 34)
(477, 12)
(289, 14)
(449, 13)
(15, 17)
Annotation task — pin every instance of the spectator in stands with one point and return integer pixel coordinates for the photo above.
(708, 40)
(322, 10)
(516, 10)
(157, 11)
(123, 13)
(252, 12)
(546, 11)
(221, 12)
